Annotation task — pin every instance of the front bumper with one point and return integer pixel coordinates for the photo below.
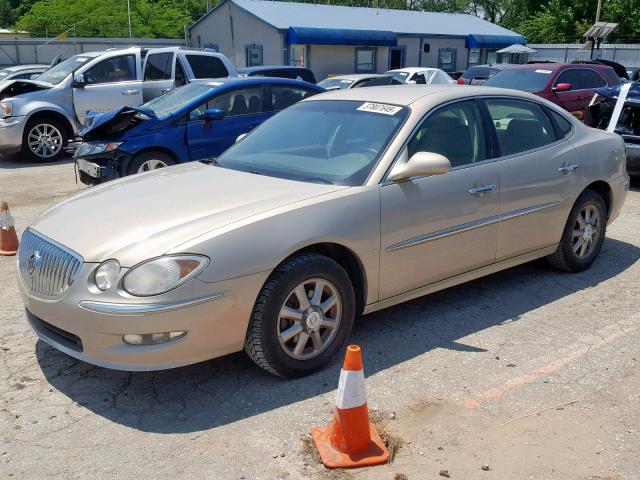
(89, 327)
(11, 133)
(100, 168)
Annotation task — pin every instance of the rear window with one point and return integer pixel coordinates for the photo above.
(158, 66)
(479, 72)
(521, 79)
(206, 66)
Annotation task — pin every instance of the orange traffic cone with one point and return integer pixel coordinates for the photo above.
(8, 237)
(350, 440)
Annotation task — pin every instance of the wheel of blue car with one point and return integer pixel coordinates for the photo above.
(44, 140)
(148, 161)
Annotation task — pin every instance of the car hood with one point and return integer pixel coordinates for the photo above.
(114, 123)
(147, 215)
(13, 88)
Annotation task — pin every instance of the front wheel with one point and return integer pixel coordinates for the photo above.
(302, 317)
(583, 234)
(44, 140)
(148, 161)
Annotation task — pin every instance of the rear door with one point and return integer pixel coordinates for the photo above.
(110, 83)
(536, 165)
(583, 81)
(205, 66)
(244, 110)
(158, 74)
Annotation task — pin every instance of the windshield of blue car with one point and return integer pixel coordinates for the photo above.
(59, 72)
(340, 83)
(322, 141)
(520, 79)
(175, 100)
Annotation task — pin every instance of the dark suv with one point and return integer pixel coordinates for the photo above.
(565, 84)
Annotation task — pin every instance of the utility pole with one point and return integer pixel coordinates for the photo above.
(598, 11)
(129, 15)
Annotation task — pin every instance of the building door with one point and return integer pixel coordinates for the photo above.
(396, 57)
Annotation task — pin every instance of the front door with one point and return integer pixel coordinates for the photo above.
(109, 84)
(396, 58)
(537, 176)
(436, 227)
(244, 110)
(583, 81)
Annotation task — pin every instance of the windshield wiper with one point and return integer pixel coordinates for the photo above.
(317, 180)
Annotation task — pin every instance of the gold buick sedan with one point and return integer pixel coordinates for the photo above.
(341, 205)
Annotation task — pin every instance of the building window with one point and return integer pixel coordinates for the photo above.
(447, 59)
(298, 57)
(492, 57)
(254, 55)
(474, 56)
(366, 60)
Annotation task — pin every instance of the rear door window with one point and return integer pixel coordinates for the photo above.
(158, 66)
(207, 66)
(520, 126)
(563, 126)
(581, 79)
(234, 103)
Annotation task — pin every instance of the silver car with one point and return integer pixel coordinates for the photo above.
(275, 248)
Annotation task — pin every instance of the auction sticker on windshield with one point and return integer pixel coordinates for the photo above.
(548, 72)
(379, 108)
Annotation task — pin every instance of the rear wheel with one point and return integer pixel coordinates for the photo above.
(583, 234)
(303, 316)
(44, 139)
(147, 161)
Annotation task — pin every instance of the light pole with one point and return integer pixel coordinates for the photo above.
(129, 15)
(598, 11)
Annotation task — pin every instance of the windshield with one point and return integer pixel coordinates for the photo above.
(62, 70)
(518, 79)
(175, 100)
(341, 148)
(402, 76)
(340, 83)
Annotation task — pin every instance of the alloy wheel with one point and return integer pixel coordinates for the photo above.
(151, 165)
(309, 319)
(585, 231)
(45, 140)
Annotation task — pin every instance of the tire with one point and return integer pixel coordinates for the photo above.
(147, 161)
(44, 139)
(572, 255)
(267, 341)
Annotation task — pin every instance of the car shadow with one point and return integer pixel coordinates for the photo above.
(232, 388)
(15, 162)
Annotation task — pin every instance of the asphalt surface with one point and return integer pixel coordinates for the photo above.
(531, 372)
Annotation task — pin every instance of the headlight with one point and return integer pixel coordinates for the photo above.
(95, 148)
(162, 274)
(6, 109)
(107, 274)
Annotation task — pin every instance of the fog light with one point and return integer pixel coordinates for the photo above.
(153, 338)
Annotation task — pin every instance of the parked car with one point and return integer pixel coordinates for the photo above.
(343, 204)
(198, 121)
(38, 117)
(22, 72)
(358, 80)
(421, 76)
(624, 121)
(283, 71)
(568, 85)
(479, 74)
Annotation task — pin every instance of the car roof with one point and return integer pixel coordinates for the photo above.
(406, 95)
(230, 81)
(272, 67)
(355, 76)
(17, 68)
(497, 66)
(554, 67)
(413, 69)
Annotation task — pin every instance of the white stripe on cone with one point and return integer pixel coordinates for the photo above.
(6, 220)
(351, 392)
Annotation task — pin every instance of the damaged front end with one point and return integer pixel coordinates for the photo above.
(617, 110)
(98, 154)
(20, 87)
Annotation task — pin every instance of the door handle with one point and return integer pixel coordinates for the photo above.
(567, 169)
(131, 91)
(482, 189)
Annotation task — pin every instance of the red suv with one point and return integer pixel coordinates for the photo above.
(569, 85)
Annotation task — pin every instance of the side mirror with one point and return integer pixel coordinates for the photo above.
(78, 80)
(562, 87)
(421, 164)
(240, 137)
(212, 115)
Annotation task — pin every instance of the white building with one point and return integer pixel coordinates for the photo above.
(332, 39)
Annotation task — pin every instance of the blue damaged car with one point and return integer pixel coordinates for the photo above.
(195, 122)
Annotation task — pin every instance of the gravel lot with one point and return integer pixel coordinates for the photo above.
(529, 371)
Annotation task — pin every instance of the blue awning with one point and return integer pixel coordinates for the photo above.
(494, 41)
(337, 36)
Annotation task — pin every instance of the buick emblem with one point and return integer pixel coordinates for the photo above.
(33, 262)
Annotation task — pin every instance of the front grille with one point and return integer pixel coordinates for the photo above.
(54, 333)
(46, 268)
